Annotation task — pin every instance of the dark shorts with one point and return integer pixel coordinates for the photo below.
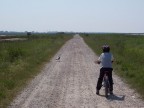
(100, 79)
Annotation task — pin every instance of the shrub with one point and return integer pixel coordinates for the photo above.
(15, 53)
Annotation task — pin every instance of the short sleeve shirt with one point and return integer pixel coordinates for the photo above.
(106, 60)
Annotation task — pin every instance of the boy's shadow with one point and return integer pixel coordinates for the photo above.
(115, 97)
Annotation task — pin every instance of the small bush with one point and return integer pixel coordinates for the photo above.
(15, 53)
(9, 84)
(2, 95)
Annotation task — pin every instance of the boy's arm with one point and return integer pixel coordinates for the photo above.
(98, 61)
(112, 59)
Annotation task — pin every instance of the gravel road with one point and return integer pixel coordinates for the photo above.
(71, 81)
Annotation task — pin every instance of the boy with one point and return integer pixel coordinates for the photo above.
(105, 60)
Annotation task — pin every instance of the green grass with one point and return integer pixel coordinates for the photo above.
(20, 61)
(129, 56)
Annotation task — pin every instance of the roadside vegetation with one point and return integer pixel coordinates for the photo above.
(128, 51)
(20, 61)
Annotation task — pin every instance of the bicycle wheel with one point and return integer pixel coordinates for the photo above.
(106, 88)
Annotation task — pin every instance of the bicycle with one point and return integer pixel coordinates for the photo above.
(106, 83)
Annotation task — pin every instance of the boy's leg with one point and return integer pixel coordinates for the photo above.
(100, 79)
(110, 80)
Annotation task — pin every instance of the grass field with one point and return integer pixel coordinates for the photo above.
(128, 52)
(22, 60)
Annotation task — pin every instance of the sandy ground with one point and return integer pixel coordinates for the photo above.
(70, 83)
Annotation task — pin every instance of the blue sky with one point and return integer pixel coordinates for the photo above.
(72, 15)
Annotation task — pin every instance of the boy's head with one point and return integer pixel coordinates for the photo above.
(106, 48)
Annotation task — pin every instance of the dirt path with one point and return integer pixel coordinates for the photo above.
(70, 83)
